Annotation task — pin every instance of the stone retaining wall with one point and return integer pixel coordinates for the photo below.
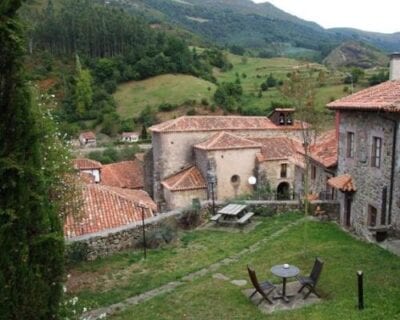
(105, 243)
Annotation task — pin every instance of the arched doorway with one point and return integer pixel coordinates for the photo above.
(283, 191)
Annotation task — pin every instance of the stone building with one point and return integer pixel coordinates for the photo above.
(368, 156)
(225, 151)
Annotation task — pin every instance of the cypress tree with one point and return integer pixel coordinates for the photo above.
(31, 242)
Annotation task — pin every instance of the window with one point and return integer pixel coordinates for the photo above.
(235, 180)
(350, 145)
(372, 213)
(283, 170)
(313, 172)
(376, 152)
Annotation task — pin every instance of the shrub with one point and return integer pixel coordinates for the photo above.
(77, 252)
(157, 238)
(189, 219)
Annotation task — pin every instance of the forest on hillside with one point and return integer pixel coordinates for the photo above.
(89, 48)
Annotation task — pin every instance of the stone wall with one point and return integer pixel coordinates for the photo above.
(369, 181)
(108, 242)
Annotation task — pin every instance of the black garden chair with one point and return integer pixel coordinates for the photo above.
(264, 288)
(311, 281)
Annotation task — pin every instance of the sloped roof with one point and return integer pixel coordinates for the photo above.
(226, 141)
(187, 179)
(325, 148)
(130, 134)
(86, 164)
(343, 182)
(277, 148)
(88, 135)
(384, 96)
(106, 208)
(219, 123)
(124, 174)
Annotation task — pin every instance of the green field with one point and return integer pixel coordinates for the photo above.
(132, 97)
(111, 280)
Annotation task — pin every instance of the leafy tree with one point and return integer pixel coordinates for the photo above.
(83, 89)
(31, 241)
(228, 95)
(300, 90)
(378, 78)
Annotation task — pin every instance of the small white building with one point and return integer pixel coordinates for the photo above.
(130, 137)
(87, 139)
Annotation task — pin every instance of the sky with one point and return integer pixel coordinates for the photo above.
(368, 15)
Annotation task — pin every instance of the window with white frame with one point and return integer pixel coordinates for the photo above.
(376, 152)
(350, 145)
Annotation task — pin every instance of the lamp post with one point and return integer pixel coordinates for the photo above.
(142, 208)
(211, 180)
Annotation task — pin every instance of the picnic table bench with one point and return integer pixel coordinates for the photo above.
(216, 217)
(245, 218)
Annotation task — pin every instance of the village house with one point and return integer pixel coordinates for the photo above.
(123, 174)
(368, 156)
(130, 137)
(105, 208)
(87, 139)
(214, 156)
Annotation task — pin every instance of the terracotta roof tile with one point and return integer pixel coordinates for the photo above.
(384, 96)
(227, 141)
(187, 179)
(124, 174)
(219, 123)
(86, 164)
(344, 183)
(89, 135)
(277, 148)
(324, 150)
(105, 208)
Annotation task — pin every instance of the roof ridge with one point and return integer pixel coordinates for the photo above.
(184, 175)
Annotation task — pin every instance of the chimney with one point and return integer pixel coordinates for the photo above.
(394, 66)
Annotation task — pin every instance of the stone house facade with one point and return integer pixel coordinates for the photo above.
(87, 139)
(368, 156)
(226, 152)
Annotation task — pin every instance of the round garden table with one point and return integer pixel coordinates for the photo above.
(284, 273)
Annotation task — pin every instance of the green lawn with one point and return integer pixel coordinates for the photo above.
(132, 97)
(125, 275)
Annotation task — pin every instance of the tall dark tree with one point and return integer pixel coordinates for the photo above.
(31, 242)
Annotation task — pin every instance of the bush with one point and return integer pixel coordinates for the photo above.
(204, 102)
(157, 238)
(191, 112)
(77, 252)
(189, 219)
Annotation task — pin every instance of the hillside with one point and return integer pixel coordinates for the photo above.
(356, 54)
(261, 27)
(132, 97)
(384, 41)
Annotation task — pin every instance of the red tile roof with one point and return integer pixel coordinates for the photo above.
(325, 148)
(227, 141)
(86, 164)
(384, 96)
(105, 208)
(277, 148)
(343, 183)
(124, 174)
(219, 123)
(187, 179)
(89, 135)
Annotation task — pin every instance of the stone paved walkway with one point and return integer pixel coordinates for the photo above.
(118, 307)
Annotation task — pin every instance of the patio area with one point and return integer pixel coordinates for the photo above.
(295, 302)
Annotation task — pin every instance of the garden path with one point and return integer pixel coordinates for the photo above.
(137, 299)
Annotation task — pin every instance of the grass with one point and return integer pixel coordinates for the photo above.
(110, 280)
(125, 275)
(132, 97)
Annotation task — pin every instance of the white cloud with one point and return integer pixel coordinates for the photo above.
(378, 16)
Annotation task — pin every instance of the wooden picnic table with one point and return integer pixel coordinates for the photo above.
(233, 214)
